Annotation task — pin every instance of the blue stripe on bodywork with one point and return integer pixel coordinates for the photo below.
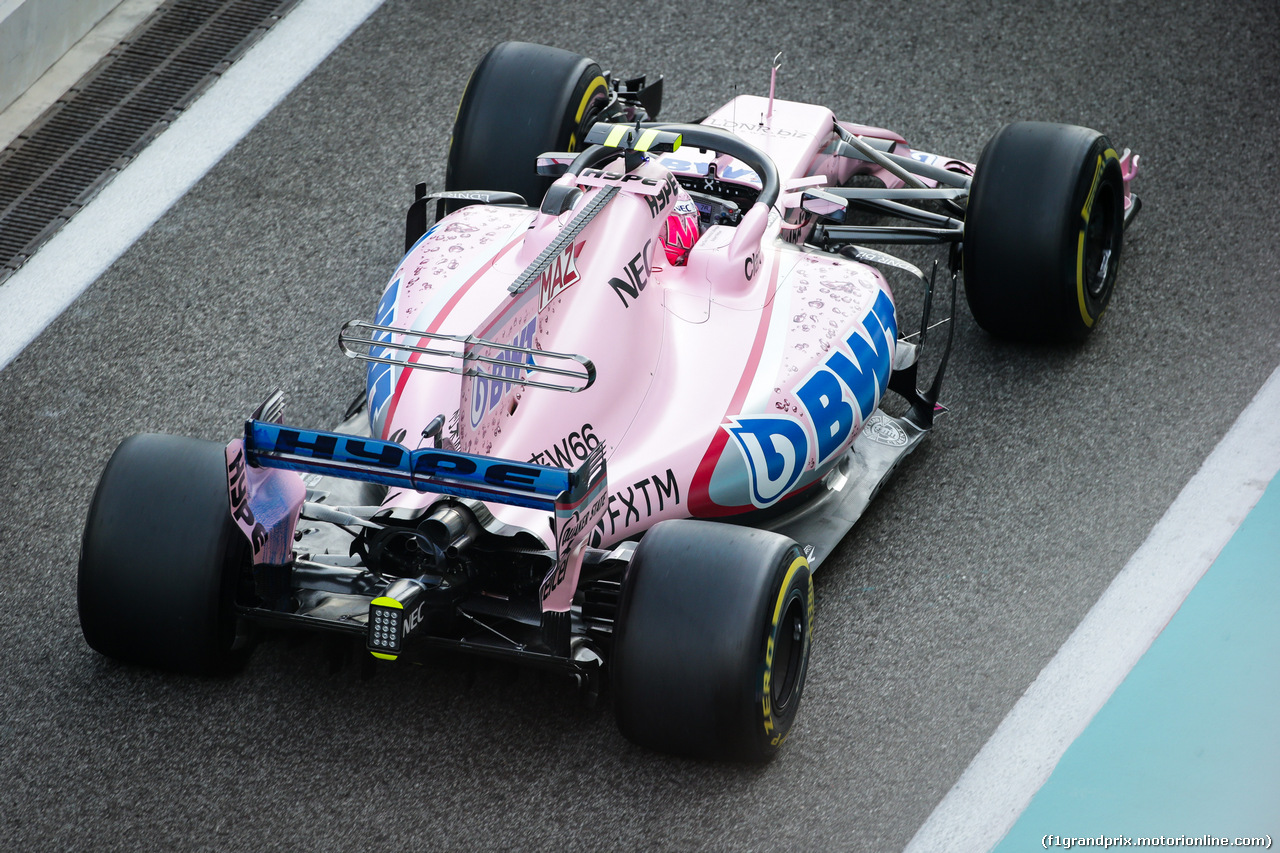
(379, 378)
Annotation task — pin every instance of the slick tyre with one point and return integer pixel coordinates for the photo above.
(712, 641)
(1043, 232)
(522, 100)
(161, 558)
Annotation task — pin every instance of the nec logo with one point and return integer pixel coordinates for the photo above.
(637, 273)
(837, 396)
(414, 619)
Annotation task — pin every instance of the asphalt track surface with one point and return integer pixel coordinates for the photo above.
(948, 598)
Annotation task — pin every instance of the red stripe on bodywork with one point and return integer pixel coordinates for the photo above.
(700, 503)
(435, 326)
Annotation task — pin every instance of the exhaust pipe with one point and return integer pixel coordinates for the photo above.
(452, 528)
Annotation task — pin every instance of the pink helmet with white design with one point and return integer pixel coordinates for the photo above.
(681, 230)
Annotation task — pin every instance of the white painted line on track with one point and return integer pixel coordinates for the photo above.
(994, 790)
(67, 264)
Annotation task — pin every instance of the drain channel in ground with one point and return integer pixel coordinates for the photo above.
(66, 156)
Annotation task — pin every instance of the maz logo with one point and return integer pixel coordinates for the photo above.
(560, 276)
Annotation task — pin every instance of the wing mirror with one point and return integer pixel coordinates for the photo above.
(822, 203)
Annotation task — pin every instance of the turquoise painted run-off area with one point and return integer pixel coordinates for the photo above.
(1189, 744)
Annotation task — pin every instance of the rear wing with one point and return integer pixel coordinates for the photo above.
(266, 504)
(577, 498)
(446, 472)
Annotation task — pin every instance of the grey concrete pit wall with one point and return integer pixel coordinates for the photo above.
(35, 33)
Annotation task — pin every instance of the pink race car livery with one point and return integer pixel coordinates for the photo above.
(623, 396)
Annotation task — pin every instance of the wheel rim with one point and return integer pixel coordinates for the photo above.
(788, 654)
(1101, 244)
(589, 116)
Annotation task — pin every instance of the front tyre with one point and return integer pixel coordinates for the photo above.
(1043, 232)
(521, 101)
(712, 641)
(161, 558)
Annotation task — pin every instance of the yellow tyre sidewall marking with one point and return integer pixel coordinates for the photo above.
(594, 86)
(766, 699)
(457, 111)
(1109, 154)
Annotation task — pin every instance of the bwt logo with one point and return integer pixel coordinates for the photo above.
(775, 449)
(488, 391)
(842, 392)
(837, 396)
(727, 172)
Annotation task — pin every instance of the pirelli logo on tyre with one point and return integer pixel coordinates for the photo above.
(785, 631)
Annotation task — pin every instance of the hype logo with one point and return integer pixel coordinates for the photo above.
(776, 450)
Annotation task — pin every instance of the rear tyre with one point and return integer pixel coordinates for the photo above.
(712, 641)
(161, 558)
(1043, 232)
(522, 100)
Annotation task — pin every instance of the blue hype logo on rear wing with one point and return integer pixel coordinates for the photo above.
(446, 472)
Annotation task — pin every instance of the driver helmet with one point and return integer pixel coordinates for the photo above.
(681, 230)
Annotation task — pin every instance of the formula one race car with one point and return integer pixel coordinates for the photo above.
(622, 398)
